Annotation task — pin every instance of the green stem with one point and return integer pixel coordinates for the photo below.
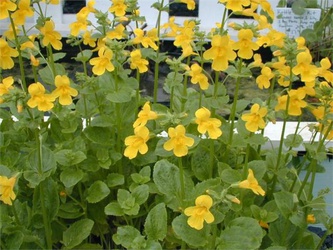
(157, 63)
(212, 158)
(47, 225)
(184, 97)
(322, 239)
(181, 179)
(18, 45)
(234, 105)
(18, 222)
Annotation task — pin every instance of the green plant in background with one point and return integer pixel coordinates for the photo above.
(319, 38)
(89, 162)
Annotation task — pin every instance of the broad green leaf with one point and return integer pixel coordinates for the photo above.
(97, 192)
(48, 191)
(141, 193)
(71, 176)
(285, 202)
(299, 7)
(231, 176)
(240, 232)
(127, 202)
(123, 95)
(99, 135)
(293, 140)
(156, 222)
(115, 179)
(200, 161)
(125, 236)
(77, 232)
(143, 176)
(193, 237)
(14, 240)
(70, 210)
(47, 76)
(113, 208)
(68, 157)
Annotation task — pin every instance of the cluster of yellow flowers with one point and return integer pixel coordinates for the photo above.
(223, 50)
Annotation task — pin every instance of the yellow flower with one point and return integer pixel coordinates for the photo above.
(178, 141)
(88, 40)
(50, 36)
(263, 80)
(118, 7)
(252, 183)
(263, 224)
(185, 34)
(208, 124)
(9, 33)
(76, 27)
(63, 90)
(137, 142)
(304, 67)
(319, 113)
(235, 5)
(6, 54)
(144, 116)
(198, 77)
(24, 10)
(254, 120)
(6, 189)
(148, 40)
(5, 7)
(102, 62)
(189, 3)
(273, 37)
(324, 70)
(257, 61)
(296, 102)
(117, 33)
(200, 212)
(310, 218)
(6, 85)
(172, 26)
(244, 45)
(33, 61)
(44, 102)
(220, 52)
(137, 62)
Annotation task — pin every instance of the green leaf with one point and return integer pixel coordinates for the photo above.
(125, 236)
(193, 237)
(122, 95)
(141, 193)
(68, 157)
(97, 192)
(156, 223)
(285, 202)
(47, 76)
(299, 7)
(115, 179)
(166, 178)
(127, 202)
(113, 208)
(240, 232)
(77, 232)
(293, 140)
(230, 176)
(50, 198)
(84, 56)
(99, 135)
(70, 210)
(71, 177)
(199, 161)
(143, 176)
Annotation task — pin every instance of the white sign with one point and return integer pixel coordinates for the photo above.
(291, 24)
